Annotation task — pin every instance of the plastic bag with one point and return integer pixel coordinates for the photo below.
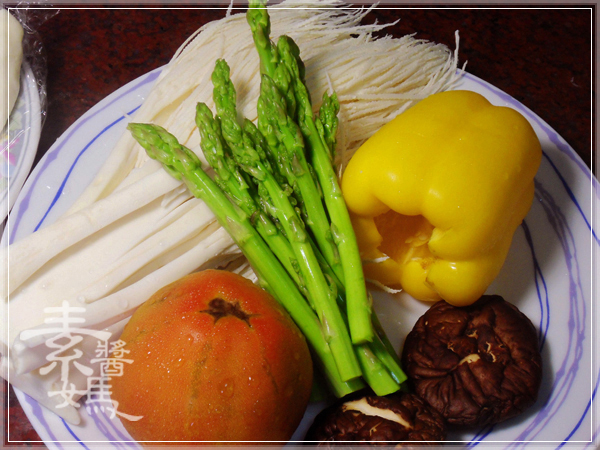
(20, 136)
(32, 16)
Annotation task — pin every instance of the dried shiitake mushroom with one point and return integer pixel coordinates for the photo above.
(365, 417)
(477, 365)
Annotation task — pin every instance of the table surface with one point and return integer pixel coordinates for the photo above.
(541, 57)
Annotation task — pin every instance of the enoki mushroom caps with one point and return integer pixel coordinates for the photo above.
(476, 365)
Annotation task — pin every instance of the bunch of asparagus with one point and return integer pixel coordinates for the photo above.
(276, 193)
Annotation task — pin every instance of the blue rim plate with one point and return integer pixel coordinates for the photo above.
(549, 275)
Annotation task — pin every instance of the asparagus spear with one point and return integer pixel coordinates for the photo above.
(327, 122)
(282, 96)
(285, 140)
(234, 183)
(373, 358)
(184, 165)
(260, 24)
(287, 54)
(222, 136)
(380, 368)
(358, 304)
(251, 158)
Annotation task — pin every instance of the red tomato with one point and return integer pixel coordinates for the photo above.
(215, 358)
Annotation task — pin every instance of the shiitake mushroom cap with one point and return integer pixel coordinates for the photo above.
(400, 419)
(476, 365)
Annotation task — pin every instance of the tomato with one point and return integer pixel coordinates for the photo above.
(214, 358)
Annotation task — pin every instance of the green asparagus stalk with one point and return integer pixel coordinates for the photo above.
(327, 122)
(184, 165)
(231, 136)
(284, 98)
(358, 304)
(379, 349)
(234, 183)
(285, 139)
(260, 24)
(320, 140)
(258, 175)
(373, 357)
(251, 159)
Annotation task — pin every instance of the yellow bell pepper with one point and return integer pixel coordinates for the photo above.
(437, 194)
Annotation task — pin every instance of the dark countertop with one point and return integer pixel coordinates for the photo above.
(541, 57)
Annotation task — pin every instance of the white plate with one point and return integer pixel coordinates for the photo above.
(19, 141)
(548, 275)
